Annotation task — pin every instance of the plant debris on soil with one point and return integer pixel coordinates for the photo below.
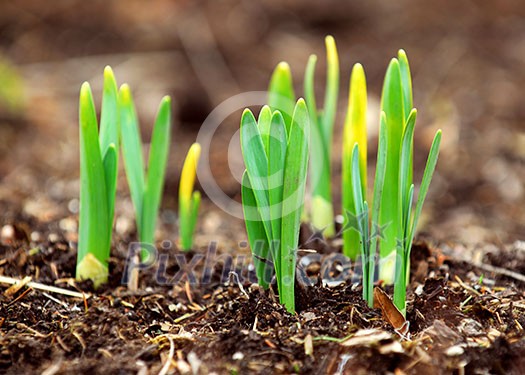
(461, 320)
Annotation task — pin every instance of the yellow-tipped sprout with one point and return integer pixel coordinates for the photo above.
(189, 200)
(322, 211)
(354, 133)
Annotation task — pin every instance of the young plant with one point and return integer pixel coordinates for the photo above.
(273, 188)
(145, 186)
(396, 102)
(98, 180)
(189, 200)
(354, 133)
(321, 210)
(393, 187)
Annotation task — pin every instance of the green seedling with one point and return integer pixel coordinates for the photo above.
(396, 103)
(393, 223)
(276, 159)
(98, 180)
(145, 186)
(189, 200)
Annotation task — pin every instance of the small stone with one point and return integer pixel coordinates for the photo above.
(238, 356)
(36, 237)
(123, 225)
(73, 206)
(455, 351)
(308, 316)
(53, 237)
(68, 225)
(7, 233)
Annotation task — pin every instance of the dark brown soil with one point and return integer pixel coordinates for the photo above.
(466, 303)
(458, 322)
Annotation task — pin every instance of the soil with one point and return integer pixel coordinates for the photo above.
(466, 300)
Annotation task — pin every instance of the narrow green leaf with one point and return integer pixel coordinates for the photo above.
(264, 121)
(281, 93)
(405, 167)
(195, 204)
(93, 225)
(276, 159)
(425, 183)
(259, 243)
(132, 151)
(379, 182)
(332, 90)
(295, 170)
(110, 175)
(158, 158)
(309, 90)
(256, 165)
(361, 209)
(392, 105)
(406, 81)
(109, 116)
(109, 140)
(322, 123)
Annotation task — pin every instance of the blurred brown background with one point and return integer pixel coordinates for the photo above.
(467, 60)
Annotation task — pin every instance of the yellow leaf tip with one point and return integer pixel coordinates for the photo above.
(283, 66)
(108, 71)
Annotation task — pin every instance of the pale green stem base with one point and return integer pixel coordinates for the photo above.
(90, 268)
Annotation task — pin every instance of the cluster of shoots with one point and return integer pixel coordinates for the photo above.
(276, 149)
(391, 224)
(119, 126)
(275, 152)
(380, 238)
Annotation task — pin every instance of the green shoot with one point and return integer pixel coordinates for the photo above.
(276, 159)
(98, 180)
(396, 102)
(189, 200)
(322, 211)
(393, 221)
(354, 133)
(145, 186)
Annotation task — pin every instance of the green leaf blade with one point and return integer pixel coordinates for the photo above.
(256, 166)
(392, 105)
(158, 159)
(296, 165)
(259, 243)
(276, 166)
(109, 116)
(132, 151)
